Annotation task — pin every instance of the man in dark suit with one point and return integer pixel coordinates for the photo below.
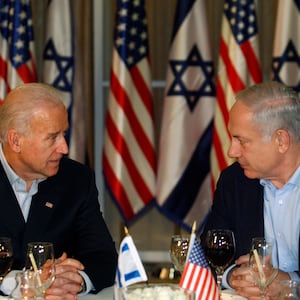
(47, 197)
(259, 195)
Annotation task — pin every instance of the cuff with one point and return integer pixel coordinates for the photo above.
(225, 283)
(88, 285)
(294, 276)
(9, 282)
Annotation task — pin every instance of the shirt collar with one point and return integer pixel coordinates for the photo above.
(16, 181)
(294, 180)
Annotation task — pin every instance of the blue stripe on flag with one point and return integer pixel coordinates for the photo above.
(131, 275)
(182, 10)
(182, 198)
(125, 247)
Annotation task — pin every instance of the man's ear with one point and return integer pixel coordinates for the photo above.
(283, 140)
(14, 140)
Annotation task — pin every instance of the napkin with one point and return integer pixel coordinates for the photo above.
(9, 282)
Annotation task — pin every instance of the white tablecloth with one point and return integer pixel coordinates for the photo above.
(105, 294)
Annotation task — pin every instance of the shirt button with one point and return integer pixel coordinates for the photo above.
(280, 202)
(279, 234)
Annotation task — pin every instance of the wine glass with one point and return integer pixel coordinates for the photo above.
(260, 262)
(178, 251)
(219, 249)
(289, 289)
(6, 256)
(40, 260)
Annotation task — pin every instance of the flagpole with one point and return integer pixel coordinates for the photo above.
(192, 239)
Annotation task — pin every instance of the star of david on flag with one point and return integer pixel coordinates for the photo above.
(59, 71)
(184, 181)
(286, 50)
(186, 68)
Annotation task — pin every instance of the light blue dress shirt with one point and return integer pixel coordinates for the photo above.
(282, 222)
(19, 186)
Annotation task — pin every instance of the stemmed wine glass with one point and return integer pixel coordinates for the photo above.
(219, 249)
(260, 262)
(6, 256)
(40, 260)
(178, 251)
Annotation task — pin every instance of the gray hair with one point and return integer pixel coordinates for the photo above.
(274, 106)
(22, 103)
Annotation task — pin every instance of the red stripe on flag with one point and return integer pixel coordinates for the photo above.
(121, 146)
(252, 62)
(222, 101)
(3, 69)
(141, 138)
(218, 145)
(200, 280)
(143, 89)
(117, 189)
(26, 74)
(233, 77)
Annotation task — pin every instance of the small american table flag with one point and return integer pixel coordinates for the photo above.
(197, 275)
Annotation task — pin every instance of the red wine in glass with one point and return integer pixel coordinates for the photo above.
(219, 250)
(6, 256)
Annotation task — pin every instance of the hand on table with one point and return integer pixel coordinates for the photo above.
(68, 282)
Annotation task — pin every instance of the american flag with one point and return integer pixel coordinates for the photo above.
(184, 179)
(129, 154)
(238, 67)
(197, 275)
(286, 51)
(17, 61)
(59, 65)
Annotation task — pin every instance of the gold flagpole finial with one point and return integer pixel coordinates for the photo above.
(126, 230)
(194, 227)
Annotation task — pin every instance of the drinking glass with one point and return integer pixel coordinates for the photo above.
(40, 260)
(178, 251)
(6, 256)
(290, 289)
(219, 249)
(25, 286)
(261, 267)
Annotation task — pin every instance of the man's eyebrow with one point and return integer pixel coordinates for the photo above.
(52, 134)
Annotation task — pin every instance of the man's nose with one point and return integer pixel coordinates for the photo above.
(234, 150)
(63, 147)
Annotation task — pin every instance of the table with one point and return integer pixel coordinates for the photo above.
(108, 294)
(105, 294)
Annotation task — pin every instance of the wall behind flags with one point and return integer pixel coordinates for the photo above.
(94, 21)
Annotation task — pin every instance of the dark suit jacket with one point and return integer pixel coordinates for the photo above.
(64, 211)
(237, 205)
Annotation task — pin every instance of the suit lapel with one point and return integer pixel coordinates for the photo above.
(11, 217)
(42, 207)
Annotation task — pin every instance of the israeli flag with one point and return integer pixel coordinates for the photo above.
(130, 268)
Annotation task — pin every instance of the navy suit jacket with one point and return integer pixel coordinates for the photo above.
(237, 205)
(66, 212)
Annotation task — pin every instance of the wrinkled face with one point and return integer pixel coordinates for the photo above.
(258, 158)
(42, 149)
